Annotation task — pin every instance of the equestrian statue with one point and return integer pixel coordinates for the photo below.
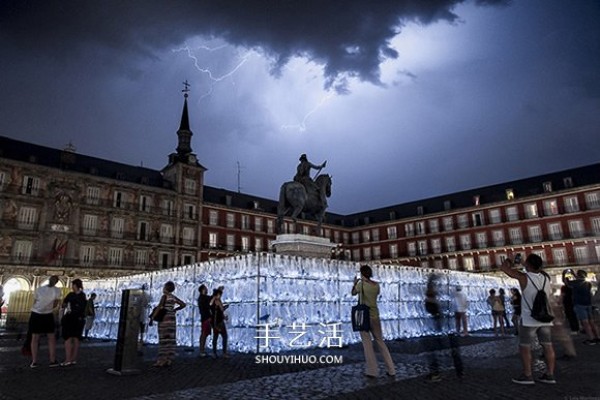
(304, 194)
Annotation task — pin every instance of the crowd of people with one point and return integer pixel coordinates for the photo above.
(570, 314)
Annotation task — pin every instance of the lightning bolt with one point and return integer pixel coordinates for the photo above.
(301, 127)
(214, 78)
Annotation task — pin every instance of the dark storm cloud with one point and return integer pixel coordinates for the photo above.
(349, 38)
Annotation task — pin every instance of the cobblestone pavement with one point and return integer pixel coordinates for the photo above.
(489, 364)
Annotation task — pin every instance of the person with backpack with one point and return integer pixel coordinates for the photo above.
(582, 304)
(536, 316)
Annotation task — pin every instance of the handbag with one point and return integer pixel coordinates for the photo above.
(158, 313)
(361, 320)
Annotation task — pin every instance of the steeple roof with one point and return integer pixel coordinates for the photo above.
(185, 120)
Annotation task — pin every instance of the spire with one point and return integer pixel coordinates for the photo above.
(184, 133)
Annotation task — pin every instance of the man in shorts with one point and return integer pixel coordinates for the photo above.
(45, 300)
(532, 280)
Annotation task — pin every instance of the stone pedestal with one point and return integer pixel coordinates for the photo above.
(303, 245)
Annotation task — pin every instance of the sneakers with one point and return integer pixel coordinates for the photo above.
(546, 378)
(524, 380)
(433, 377)
(34, 365)
(203, 354)
(54, 364)
(589, 342)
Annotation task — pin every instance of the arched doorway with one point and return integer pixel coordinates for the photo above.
(12, 285)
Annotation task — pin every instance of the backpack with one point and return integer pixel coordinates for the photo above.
(540, 309)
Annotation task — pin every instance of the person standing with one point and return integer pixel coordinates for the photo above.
(461, 305)
(515, 301)
(218, 321)
(144, 302)
(41, 322)
(367, 291)
(167, 328)
(90, 314)
(502, 296)
(566, 295)
(205, 317)
(582, 304)
(73, 321)
(530, 281)
(497, 309)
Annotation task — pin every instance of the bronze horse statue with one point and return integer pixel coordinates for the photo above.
(294, 196)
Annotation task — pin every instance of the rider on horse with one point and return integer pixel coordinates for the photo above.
(303, 174)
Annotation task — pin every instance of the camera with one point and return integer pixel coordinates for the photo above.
(518, 258)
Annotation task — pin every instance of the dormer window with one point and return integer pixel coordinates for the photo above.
(510, 194)
(547, 187)
(568, 182)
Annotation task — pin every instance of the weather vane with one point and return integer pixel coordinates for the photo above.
(186, 88)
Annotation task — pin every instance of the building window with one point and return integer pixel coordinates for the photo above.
(118, 199)
(592, 200)
(165, 260)
(571, 204)
(168, 207)
(2, 180)
(346, 237)
(500, 258)
(596, 226)
(477, 219)
(31, 185)
(512, 213)
(166, 233)
(367, 253)
(412, 249)
(495, 217)
(391, 232)
(22, 250)
(535, 233)
(448, 223)
(258, 244)
(366, 236)
(547, 187)
(245, 243)
(377, 253)
(188, 236)
(141, 258)
(465, 242)
(355, 238)
(189, 187)
(453, 264)
(270, 226)
(245, 222)
(447, 205)
(230, 220)
(145, 203)
(484, 262)
(305, 230)
(90, 225)
(374, 234)
(481, 239)
(576, 229)
(356, 254)
(434, 226)
(463, 221)
(336, 236)
(424, 264)
(469, 263)
(531, 210)
(27, 218)
(510, 194)
(581, 255)
(409, 229)
(92, 195)
(86, 255)
(213, 218)
(450, 243)
(550, 207)
(187, 259)
(422, 247)
(393, 251)
(117, 226)
(438, 264)
(420, 210)
(213, 240)
(230, 242)
(143, 230)
(420, 225)
(258, 222)
(515, 235)
(541, 254)
(436, 246)
(555, 231)
(115, 256)
(190, 211)
(559, 256)
(568, 182)
(498, 237)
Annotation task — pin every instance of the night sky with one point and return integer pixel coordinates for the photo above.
(405, 99)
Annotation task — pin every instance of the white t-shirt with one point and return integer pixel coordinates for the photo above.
(528, 297)
(43, 299)
(461, 304)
